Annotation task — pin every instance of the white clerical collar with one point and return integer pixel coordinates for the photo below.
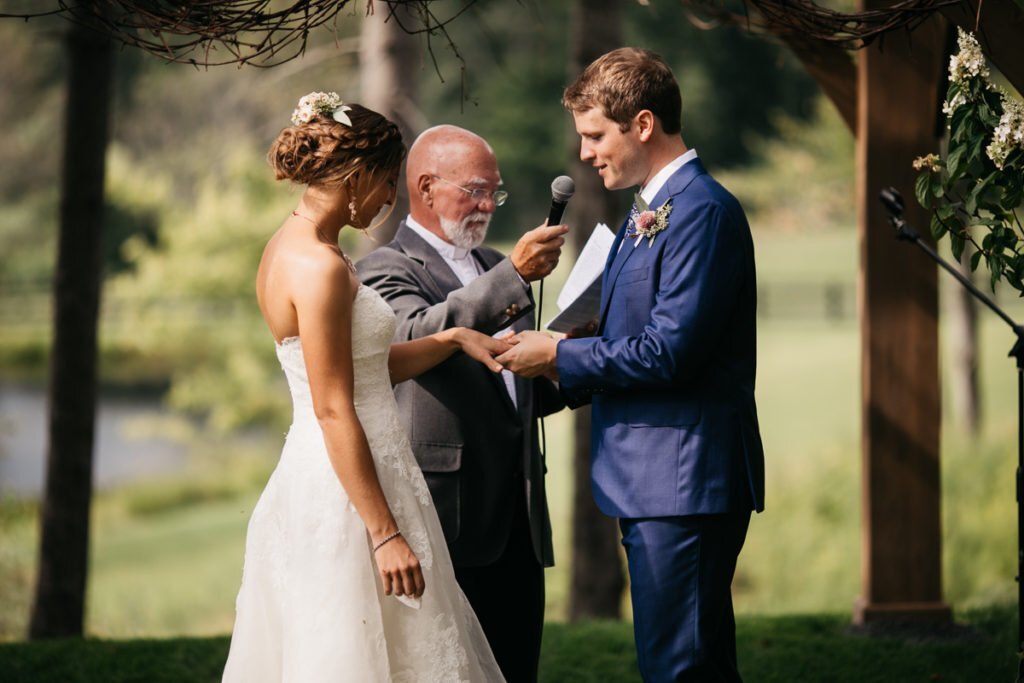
(652, 188)
(447, 250)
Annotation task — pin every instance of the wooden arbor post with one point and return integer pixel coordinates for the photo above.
(898, 82)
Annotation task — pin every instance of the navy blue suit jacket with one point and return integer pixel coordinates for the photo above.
(671, 370)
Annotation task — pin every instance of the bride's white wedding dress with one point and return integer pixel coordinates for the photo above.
(311, 607)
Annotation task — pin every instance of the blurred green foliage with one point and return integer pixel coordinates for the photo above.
(191, 200)
(774, 187)
(192, 298)
(734, 87)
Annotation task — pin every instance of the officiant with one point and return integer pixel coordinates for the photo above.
(474, 432)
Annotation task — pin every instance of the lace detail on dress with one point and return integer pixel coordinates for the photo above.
(442, 659)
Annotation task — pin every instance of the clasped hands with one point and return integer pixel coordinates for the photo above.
(534, 354)
(528, 354)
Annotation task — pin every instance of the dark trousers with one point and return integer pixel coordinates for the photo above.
(508, 598)
(680, 572)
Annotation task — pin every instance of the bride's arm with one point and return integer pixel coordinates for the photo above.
(323, 306)
(412, 358)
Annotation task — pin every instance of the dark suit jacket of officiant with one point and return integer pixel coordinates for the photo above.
(476, 449)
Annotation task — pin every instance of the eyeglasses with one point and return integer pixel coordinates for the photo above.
(478, 194)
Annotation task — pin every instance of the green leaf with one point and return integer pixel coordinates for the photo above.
(971, 205)
(1008, 239)
(955, 161)
(922, 189)
(938, 227)
(977, 144)
(985, 112)
(1018, 284)
(975, 259)
(956, 122)
(945, 211)
(956, 243)
(1012, 183)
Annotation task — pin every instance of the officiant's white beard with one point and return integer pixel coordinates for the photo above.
(469, 233)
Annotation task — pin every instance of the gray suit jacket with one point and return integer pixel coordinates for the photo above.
(475, 447)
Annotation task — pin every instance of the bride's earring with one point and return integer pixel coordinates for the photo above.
(352, 210)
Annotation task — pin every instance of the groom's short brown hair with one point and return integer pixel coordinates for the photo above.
(624, 82)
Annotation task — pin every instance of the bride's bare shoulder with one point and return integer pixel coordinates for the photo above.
(297, 268)
(300, 256)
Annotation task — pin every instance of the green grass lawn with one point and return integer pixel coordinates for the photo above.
(791, 649)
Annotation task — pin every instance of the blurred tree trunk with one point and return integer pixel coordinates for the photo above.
(963, 311)
(597, 579)
(389, 66)
(59, 605)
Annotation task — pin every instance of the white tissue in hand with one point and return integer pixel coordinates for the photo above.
(408, 601)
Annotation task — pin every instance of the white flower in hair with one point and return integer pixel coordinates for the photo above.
(321, 103)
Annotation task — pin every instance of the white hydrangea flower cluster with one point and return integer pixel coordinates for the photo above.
(320, 103)
(1009, 134)
(968, 63)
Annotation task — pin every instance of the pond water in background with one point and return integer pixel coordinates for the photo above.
(121, 454)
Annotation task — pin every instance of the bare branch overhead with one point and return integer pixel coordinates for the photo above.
(805, 19)
(260, 33)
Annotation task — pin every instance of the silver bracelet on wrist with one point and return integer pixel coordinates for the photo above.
(386, 539)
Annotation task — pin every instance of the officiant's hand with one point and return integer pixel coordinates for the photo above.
(536, 253)
(400, 571)
(532, 355)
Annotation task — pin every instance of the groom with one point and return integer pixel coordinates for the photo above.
(676, 450)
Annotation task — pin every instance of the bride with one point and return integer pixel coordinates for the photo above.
(346, 574)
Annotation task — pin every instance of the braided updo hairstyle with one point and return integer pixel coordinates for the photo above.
(329, 153)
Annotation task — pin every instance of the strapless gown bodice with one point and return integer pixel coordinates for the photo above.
(371, 340)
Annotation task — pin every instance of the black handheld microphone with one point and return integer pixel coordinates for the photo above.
(562, 190)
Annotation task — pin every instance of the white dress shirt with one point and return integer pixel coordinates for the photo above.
(651, 189)
(467, 269)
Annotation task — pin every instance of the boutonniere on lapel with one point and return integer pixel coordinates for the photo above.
(643, 222)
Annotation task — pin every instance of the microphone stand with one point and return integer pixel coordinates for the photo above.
(894, 206)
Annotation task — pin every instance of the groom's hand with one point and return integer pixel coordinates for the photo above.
(533, 354)
(536, 253)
